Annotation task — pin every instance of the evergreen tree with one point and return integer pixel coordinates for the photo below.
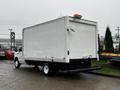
(108, 41)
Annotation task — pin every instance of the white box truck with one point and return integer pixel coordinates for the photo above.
(65, 43)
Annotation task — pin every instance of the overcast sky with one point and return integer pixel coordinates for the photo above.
(18, 14)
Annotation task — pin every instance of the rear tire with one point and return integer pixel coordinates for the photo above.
(17, 63)
(49, 69)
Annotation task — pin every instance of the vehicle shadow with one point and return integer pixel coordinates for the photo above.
(38, 73)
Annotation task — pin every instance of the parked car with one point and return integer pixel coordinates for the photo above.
(9, 55)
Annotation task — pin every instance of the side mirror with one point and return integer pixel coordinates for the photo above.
(20, 49)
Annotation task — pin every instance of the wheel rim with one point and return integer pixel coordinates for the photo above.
(46, 69)
(16, 63)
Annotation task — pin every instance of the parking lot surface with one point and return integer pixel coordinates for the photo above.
(27, 78)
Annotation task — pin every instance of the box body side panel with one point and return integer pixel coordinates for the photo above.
(46, 41)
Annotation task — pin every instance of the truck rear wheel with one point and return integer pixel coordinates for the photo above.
(16, 63)
(46, 69)
(49, 69)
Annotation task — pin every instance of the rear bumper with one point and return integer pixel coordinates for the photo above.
(77, 65)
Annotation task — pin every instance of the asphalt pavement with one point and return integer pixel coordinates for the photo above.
(27, 78)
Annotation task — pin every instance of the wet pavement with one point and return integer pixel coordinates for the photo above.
(26, 78)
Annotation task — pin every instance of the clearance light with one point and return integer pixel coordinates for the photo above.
(77, 16)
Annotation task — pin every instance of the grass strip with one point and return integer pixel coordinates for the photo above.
(108, 68)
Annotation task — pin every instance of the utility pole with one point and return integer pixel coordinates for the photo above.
(10, 38)
(118, 30)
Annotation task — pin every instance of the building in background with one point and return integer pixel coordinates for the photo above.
(6, 43)
(115, 43)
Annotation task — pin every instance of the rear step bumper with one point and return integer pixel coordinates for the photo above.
(83, 69)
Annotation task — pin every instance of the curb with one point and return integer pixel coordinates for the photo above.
(96, 73)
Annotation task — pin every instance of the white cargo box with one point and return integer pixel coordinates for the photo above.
(60, 40)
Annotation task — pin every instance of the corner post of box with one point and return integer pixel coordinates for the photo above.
(67, 39)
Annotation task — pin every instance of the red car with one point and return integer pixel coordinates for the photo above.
(9, 54)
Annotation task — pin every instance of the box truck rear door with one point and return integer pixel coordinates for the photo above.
(82, 40)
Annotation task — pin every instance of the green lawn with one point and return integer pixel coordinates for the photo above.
(107, 67)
